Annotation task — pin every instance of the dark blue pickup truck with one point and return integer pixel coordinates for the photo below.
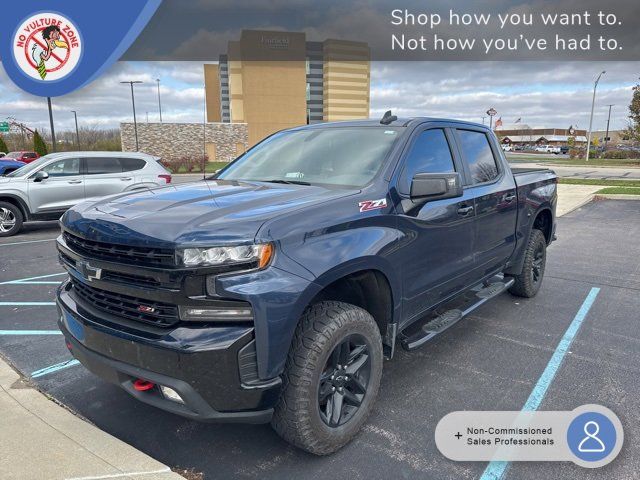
(274, 290)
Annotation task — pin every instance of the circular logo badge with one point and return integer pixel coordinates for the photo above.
(591, 436)
(47, 46)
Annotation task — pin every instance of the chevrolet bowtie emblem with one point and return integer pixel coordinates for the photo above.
(89, 272)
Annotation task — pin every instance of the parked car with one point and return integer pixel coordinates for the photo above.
(23, 156)
(2, 154)
(564, 149)
(273, 290)
(507, 148)
(548, 149)
(8, 166)
(46, 188)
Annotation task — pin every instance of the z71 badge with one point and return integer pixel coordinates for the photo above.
(372, 204)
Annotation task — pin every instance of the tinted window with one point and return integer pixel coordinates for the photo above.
(30, 155)
(98, 165)
(63, 168)
(478, 154)
(130, 164)
(429, 154)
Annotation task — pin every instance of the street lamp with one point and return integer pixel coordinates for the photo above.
(593, 104)
(159, 104)
(75, 116)
(53, 131)
(133, 103)
(606, 137)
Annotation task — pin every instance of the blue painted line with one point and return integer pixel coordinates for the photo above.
(30, 332)
(34, 283)
(29, 279)
(54, 368)
(25, 304)
(496, 470)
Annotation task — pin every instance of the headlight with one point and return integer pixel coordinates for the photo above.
(260, 254)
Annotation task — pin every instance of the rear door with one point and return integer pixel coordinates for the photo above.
(494, 192)
(438, 257)
(63, 189)
(104, 176)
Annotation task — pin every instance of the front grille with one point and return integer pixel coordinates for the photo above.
(120, 253)
(162, 314)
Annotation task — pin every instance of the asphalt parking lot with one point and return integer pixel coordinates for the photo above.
(490, 361)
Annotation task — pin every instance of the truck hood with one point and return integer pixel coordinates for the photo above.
(205, 213)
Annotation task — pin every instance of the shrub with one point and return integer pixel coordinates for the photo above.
(575, 153)
(3, 145)
(184, 164)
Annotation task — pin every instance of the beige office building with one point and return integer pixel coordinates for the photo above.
(275, 80)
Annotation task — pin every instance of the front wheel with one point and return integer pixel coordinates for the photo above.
(331, 377)
(10, 219)
(528, 282)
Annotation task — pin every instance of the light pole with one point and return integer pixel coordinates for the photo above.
(606, 137)
(53, 132)
(75, 116)
(159, 103)
(593, 104)
(133, 103)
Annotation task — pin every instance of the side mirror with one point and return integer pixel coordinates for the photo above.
(436, 186)
(40, 176)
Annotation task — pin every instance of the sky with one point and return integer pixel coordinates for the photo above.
(542, 94)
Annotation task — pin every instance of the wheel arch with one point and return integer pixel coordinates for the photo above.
(18, 202)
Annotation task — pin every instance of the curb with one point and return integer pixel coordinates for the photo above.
(613, 196)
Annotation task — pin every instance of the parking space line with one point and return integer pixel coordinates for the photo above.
(496, 470)
(54, 368)
(30, 332)
(25, 242)
(124, 474)
(25, 304)
(33, 280)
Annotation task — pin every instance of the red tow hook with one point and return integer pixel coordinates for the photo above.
(143, 385)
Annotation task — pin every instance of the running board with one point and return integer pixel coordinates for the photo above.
(439, 324)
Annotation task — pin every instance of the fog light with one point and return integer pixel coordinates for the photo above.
(171, 394)
(219, 314)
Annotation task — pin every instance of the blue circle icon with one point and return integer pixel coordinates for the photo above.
(591, 436)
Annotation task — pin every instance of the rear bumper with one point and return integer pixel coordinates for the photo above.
(201, 364)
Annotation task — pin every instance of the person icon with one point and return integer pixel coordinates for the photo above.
(591, 443)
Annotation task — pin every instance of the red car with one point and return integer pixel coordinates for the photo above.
(22, 156)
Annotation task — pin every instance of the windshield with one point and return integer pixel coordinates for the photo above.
(345, 156)
(28, 168)
(13, 155)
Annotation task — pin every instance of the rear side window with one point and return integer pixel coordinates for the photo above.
(131, 164)
(478, 154)
(430, 153)
(97, 165)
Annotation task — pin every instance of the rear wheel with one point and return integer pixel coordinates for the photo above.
(529, 281)
(331, 377)
(10, 219)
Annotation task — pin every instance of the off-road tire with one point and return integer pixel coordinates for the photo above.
(526, 284)
(17, 215)
(297, 417)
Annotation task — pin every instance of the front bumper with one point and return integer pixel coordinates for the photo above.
(202, 364)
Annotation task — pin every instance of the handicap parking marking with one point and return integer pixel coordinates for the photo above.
(26, 241)
(496, 470)
(35, 280)
(54, 368)
(30, 332)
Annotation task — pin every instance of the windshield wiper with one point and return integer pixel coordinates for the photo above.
(294, 182)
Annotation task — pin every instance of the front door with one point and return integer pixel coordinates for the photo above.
(438, 254)
(63, 189)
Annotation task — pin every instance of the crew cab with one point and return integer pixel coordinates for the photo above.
(548, 149)
(273, 290)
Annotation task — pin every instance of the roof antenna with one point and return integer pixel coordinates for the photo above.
(387, 118)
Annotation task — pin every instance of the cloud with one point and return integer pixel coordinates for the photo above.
(551, 94)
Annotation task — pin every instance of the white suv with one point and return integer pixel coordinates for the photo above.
(46, 188)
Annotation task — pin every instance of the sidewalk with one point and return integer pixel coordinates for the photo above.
(571, 197)
(39, 440)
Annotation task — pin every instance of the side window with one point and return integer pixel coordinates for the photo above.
(430, 153)
(63, 168)
(29, 155)
(131, 164)
(98, 165)
(478, 154)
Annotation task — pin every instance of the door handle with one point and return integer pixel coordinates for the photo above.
(509, 197)
(464, 211)
(125, 179)
(75, 181)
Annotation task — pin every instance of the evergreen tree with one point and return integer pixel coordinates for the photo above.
(3, 145)
(38, 144)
